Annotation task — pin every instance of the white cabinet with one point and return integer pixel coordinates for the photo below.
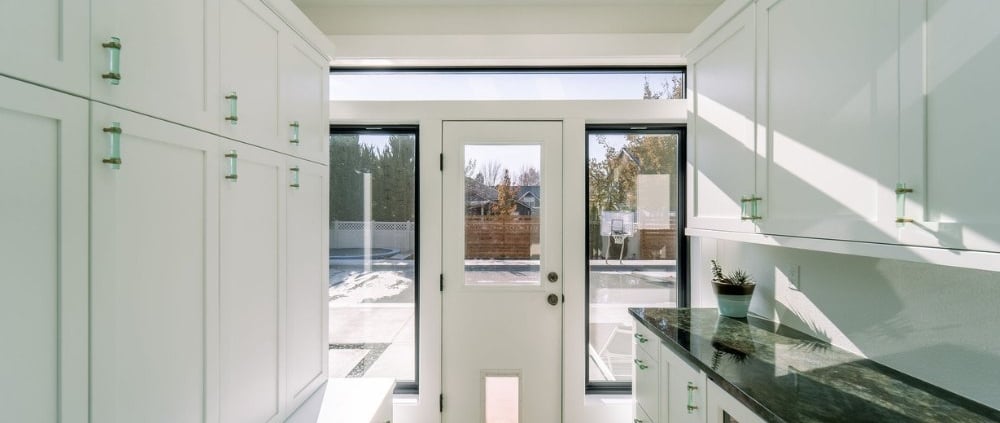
(724, 150)
(169, 58)
(154, 275)
(307, 278)
(682, 389)
(251, 36)
(723, 408)
(304, 99)
(949, 56)
(646, 380)
(43, 254)
(45, 42)
(251, 191)
(829, 107)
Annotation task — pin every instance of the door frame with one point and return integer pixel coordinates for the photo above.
(575, 115)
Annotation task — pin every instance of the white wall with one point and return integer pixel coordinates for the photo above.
(934, 322)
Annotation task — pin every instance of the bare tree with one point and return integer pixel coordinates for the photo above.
(470, 168)
(491, 173)
(529, 176)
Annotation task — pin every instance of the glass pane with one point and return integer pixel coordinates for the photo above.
(501, 399)
(489, 86)
(632, 252)
(372, 255)
(502, 214)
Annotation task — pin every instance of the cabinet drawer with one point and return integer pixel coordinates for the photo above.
(646, 384)
(644, 339)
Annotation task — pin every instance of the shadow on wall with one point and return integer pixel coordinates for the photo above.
(933, 322)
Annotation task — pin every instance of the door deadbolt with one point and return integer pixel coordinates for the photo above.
(553, 276)
(553, 299)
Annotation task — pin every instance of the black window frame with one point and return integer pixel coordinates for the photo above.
(683, 244)
(402, 387)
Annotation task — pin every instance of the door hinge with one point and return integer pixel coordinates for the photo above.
(441, 161)
(442, 282)
(441, 403)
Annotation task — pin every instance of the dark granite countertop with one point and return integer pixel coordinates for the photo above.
(785, 376)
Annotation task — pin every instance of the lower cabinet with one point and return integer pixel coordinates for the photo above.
(251, 192)
(669, 389)
(723, 408)
(682, 389)
(154, 275)
(208, 273)
(43, 253)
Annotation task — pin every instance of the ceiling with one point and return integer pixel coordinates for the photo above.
(315, 3)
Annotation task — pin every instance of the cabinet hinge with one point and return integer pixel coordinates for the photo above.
(442, 282)
(441, 161)
(441, 403)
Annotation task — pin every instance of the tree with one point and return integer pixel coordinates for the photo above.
(491, 173)
(506, 203)
(393, 173)
(470, 168)
(529, 176)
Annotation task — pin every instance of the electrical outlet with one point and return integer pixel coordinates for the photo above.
(793, 272)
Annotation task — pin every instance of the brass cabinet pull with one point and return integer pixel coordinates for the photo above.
(233, 117)
(295, 177)
(690, 405)
(749, 207)
(114, 145)
(295, 132)
(641, 364)
(901, 191)
(232, 156)
(642, 339)
(114, 48)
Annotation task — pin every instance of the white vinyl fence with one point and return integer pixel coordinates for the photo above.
(395, 235)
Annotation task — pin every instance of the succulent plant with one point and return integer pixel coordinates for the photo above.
(739, 277)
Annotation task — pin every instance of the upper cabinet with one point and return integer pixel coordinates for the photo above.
(828, 107)
(724, 149)
(305, 99)
(158, 58)
(251, 36)
(45, 42)
(873, 121)
(950, 52)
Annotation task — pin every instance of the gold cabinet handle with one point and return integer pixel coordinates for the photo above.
(114, 146)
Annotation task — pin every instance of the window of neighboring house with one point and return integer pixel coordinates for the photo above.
(373, 254)
(506, 84)
(635, 258)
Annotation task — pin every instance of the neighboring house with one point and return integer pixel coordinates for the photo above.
(480, 198)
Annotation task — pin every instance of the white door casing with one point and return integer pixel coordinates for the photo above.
(503, 329)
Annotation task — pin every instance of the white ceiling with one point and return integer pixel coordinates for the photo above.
(314, 3)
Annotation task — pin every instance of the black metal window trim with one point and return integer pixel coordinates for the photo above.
(683, 244)
(404, 387)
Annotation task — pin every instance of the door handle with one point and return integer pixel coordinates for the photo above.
(553, 299)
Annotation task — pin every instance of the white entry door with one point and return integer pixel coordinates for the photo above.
(502, 263)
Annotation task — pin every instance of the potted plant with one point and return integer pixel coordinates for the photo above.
(733, 291)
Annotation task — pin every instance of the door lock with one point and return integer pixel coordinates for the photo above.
(553, 299)
(553, 276)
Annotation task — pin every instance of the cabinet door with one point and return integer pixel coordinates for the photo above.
(951, 55)
(305, 74)
(685, 389)
(154, 286)
(169, 62)
(250, 274)
(43, 254)
(829, 105)
(251, 35)
(45, 42)
(723, 408)
(724, 150)
(307, 281)
(646, 383)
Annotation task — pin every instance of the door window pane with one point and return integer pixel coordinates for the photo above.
(632, 235)
(502, 214)
(373, 254)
